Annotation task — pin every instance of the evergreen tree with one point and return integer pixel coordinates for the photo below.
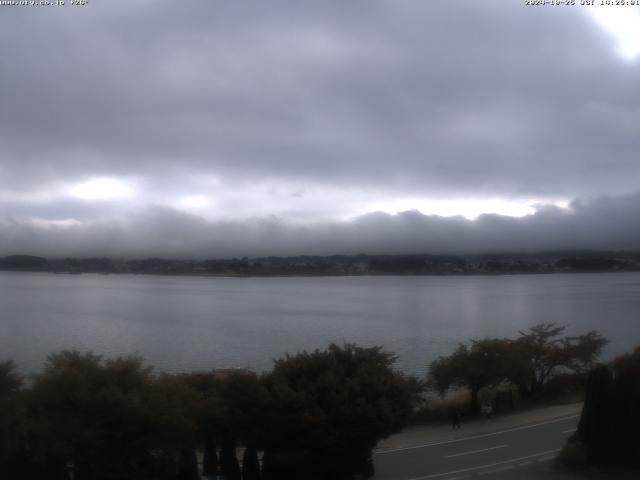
(595, 421)
(166, 466)
(250, 464)
(626, 422)
(210, 459)
(188, 465)
(267, 469)
(610, 418)
(229, 466)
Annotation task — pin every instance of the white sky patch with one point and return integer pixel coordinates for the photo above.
(46, 223)
(194, 202)
(623, 22)
(101, 188)
(304, 203)
(470, 208)
(293, 201)
(566, 204)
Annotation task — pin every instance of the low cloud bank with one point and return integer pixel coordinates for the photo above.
(611, 223)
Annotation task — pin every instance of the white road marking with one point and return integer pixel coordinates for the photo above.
(483, 435)
(545, 459)
(571, 430)
(475, 451)
(497, 470)
(480, 467)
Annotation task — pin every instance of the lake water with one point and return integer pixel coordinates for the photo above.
(186, 323)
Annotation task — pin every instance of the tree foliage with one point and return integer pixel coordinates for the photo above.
(476, 366)
(107, 418)
(12, 417)
(333, 406)
(10, 380)
(316, 415)
(541, 352)
(610, 419)
(528, 362)
(250, 463)
(210, 457)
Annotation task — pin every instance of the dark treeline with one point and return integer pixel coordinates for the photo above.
(552, 262)
(314, 416)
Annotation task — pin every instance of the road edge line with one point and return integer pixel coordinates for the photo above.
(489, 465)
(472, 437)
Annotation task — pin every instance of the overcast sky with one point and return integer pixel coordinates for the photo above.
(224, 127)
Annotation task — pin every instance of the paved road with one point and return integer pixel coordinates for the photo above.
(486, 454)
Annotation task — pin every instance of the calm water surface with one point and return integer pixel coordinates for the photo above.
(185, 323)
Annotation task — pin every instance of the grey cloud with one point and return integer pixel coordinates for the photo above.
(324, 106)
(602, 223)
(424, 97)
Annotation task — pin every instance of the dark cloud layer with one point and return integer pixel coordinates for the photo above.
(227, 100)
(605, 223)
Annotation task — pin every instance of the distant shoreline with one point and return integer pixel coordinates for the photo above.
(338, 265)
(318, 275)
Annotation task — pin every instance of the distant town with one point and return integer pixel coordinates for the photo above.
(552, 262)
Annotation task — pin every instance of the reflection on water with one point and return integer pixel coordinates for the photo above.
(184, 323)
